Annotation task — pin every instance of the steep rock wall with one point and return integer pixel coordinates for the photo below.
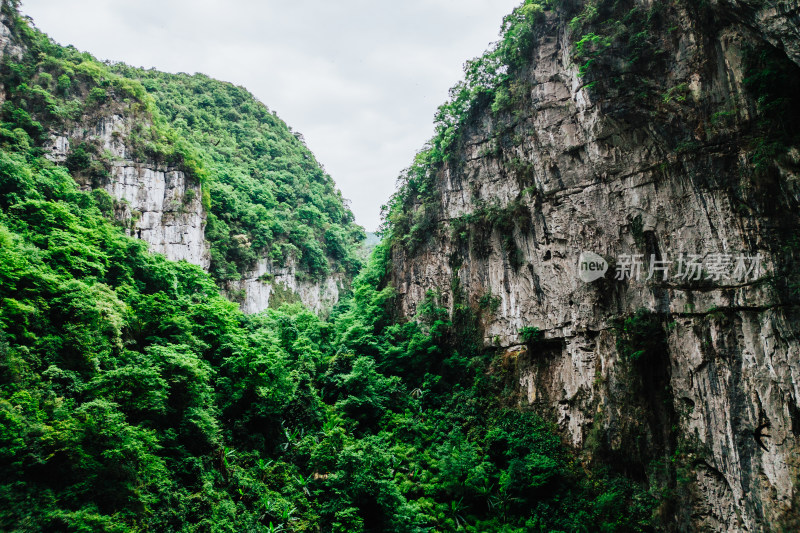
(269, 285)
(777, 22)
(601, 168)
(8, 45)
(159, 204)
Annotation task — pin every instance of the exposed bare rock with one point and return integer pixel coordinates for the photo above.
(778, 22)
(160, 204)
(8, 45)
(269, 286)
(163, 207)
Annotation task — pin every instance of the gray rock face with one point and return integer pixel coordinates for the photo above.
(162, 206)
(164, 209)
(268, 286)
(778, 22)
(8, 47)
(577, 169)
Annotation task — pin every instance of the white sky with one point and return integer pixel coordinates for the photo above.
(360, 79)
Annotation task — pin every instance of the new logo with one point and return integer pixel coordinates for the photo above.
(591, 267)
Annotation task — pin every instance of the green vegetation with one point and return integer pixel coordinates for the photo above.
(488, 77)
(55, 88)
(771, 78)
(269, 195)
(476, 229)
(135, 397)
(281, 295)
(410, 215)
(641, 336)
(530, 334)
(678, 93)
(496, 82)
(627, 26)
(489, 302)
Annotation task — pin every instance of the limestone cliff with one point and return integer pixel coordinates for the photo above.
(269, 286)
(639, 128)
(8, 45)
(158, 204)
(162, 206)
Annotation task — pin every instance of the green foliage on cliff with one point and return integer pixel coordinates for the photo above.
(530, 334)
(772, 80)
(628, 26)
(52, 88)
(134, 397)
(267, 194)
(487, 78)
(265, 184)
(641, 336)
(411, 213)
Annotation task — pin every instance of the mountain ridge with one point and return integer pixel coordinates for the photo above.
(274, 214)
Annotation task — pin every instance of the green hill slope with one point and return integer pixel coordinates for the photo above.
(264, 182)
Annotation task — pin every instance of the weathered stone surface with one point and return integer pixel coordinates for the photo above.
(8, 45)
(606, 175)
(778, 21)
(163, 206)
(165, 209)
(255, 290)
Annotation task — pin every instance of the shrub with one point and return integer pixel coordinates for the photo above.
(530, 334)
(640, 336)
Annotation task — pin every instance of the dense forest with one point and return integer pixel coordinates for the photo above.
(134, 397)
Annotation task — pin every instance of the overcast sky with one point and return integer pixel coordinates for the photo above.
(360, 79)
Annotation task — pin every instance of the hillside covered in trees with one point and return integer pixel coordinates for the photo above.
(264, 183)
